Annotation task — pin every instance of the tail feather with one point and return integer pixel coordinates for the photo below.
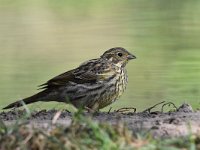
(41, 96)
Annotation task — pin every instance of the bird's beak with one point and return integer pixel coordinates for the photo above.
(131, 56)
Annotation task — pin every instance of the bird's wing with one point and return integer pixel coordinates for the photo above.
(89, 72)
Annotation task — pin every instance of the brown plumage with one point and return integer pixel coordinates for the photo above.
(94, 84)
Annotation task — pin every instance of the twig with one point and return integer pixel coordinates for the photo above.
(150, 108)
(126, 109)
(169, 103)
(56, 116)
(30, 135)
(109, 110)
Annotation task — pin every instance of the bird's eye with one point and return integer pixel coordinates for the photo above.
(119, 54)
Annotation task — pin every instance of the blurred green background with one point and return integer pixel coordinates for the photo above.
(40, 39)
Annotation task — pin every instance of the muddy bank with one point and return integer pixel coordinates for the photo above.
(180, 122)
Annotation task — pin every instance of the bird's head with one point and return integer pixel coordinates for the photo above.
(118, 55)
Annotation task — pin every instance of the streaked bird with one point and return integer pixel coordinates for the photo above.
(95, 84)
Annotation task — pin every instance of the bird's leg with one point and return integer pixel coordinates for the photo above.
(90, 110)
(94, 109)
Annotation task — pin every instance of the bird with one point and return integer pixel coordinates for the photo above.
(93, 85)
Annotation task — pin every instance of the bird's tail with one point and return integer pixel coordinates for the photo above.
(45, 95)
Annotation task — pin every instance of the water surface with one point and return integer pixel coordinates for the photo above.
(40, 39)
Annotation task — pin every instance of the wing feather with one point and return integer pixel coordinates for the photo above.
(88, 72)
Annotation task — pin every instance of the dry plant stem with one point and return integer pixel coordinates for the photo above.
(30, 135)
(150, 108)
(169, 103)
(126, 109)
(109, 110)
(56, 116)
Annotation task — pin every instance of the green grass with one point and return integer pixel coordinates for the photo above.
(85, 133)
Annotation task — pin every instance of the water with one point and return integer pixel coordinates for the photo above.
(40, 39)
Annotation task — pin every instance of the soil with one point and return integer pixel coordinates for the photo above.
(179, 122)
